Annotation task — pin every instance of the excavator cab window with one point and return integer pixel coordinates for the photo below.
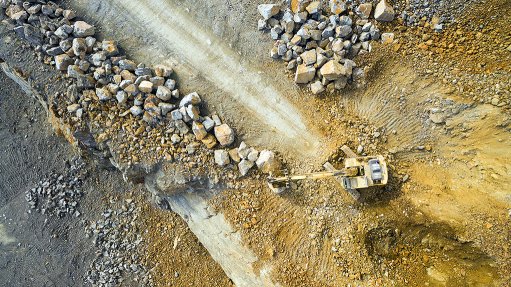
(376, 172)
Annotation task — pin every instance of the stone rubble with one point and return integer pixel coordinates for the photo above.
(117, 240)
(109, 85)
(319, 42)
(59, 194)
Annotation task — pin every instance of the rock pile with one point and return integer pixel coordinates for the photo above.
(320, 39)
(105, 80)
(58, 195)
(247, 157)
(117, 240)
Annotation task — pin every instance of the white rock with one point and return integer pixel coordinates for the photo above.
(164, 93)
(384, 12)
(253, 154)
(82, 29)
(224, 134)
(244, 166)
(268, 10)
(192, 98)
(267, 162)
(222, 157)
(304, 74)
(145, 87)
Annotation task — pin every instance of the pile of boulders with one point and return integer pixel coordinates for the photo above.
(118, 241)
(320, 39)
(102, 76)
(58, 195)
(247, 157)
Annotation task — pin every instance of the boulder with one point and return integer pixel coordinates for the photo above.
(384, 12)
(304, 74)
(224, 134)
(199, 131)
(145, 87)
(222, 157)
(190, 99)
(268, 10)
(267, 162)
(82, 29)
(332, 70)
(244, 166)
(364, 10)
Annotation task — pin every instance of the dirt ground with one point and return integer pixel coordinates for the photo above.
(444, 219)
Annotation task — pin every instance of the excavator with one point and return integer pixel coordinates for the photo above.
(359, 172)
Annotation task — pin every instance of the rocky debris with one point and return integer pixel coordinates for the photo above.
(59, 194)
(384, 12)
(118, 94)
(310, 38)
(118, 243)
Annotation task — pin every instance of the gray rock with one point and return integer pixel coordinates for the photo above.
(176, 115)
(253, 155)
(170, 84)
(268, 10)
(243, 150)
(54, 51)
(267, 162)
(317, 87)
(166, 108)
(192, 98)
(222, 157)
(127, 65)
(182, 127)
(208, 123)
(304, 74)
(384, 12)
(244, 166)
(103, 94)
(136, 111)
(83, 29)
(164, 93)
(121, 97)
(79, 47)
(224, 134)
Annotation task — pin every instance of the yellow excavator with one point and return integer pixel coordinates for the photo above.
(358, 173)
